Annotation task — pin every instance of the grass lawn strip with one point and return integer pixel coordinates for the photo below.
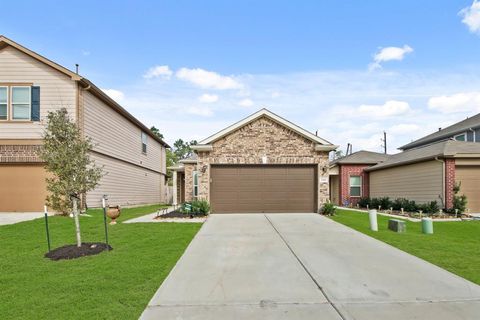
(454, 246)
(111, 285)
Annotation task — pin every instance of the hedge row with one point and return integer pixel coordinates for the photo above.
(398, 204)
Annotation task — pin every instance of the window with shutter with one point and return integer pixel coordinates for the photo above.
(3, 103)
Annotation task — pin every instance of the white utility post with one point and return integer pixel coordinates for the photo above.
(174, 189)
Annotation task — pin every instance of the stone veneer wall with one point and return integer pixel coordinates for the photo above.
(247, 145)
(20, 153)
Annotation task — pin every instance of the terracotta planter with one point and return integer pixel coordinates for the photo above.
(113, 212)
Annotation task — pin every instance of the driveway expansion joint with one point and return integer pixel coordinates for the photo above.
(306, 270)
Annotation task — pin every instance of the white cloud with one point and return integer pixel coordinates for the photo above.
(199, 111)
(403, 128)
(158, 72)
(208, 79)
(85, 52)
(116, 95)
(245, 103)
(389, 54)
(471, 17)
(388, 109)
(459, 102)
(208, 98)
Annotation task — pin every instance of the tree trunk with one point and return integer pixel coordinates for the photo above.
(77, 223)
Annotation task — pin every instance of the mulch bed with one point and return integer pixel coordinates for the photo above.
(178, 214)
(71, 251)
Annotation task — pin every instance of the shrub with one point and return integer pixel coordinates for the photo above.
(363, 202)
(459, 202)
(407, 205)
(328, 209)
(201, 207)
(374, 203)
(385, 203)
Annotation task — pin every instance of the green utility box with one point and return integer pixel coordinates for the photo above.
(427, 225)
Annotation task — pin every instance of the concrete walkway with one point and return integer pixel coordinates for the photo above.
(15, 217)
(304, 266)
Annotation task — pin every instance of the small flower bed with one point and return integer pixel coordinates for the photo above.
(410, 208)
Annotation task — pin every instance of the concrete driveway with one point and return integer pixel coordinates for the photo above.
(304, 266)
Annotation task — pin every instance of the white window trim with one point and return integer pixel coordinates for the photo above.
(29, 103)
(350, 186)
(8, 107)
(459, 135)
(142, 135)
(195, 172)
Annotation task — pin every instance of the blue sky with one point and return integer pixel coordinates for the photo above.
(348, 69)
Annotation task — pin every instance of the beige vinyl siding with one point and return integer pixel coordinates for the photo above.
(469, 178)
(56, 90)
(126, 184)
(421, 182)
(117, 137)
(334, 189)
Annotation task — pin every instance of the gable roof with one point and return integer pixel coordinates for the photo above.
(266, 113)
(361, 157)
(442, 149)
(457, 128)
(86, 84)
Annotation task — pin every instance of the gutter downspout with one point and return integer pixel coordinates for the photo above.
(474, 135)
(443, 181)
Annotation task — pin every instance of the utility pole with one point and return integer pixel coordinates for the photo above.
(384, 141)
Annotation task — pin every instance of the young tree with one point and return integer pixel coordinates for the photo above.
(72, 173)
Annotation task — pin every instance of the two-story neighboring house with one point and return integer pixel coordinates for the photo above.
(465, 130)
(134, 159)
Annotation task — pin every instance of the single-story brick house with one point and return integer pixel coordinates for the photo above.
(263, 163)
(422, 174)
(348, 179)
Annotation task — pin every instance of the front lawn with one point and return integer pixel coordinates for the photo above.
(454, 246)
(112, 285)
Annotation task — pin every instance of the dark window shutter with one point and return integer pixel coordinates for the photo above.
(35, 116)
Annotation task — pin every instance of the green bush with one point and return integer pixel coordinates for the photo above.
(363, 202)
(374, 203)
(385, 203)
(407, 205)
(201, 207)
(328, 209)
(459, 202)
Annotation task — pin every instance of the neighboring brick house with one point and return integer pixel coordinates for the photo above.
(348, 180)
(262, 163)
(134, 159)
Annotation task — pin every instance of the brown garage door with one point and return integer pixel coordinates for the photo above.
(271, 188)
(22, 188)
(469, 177)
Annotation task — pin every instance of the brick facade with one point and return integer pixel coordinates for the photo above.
(345, 171)
(449, 182)
(20, 153)
(260, 138)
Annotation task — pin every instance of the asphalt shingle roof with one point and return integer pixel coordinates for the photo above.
(459, 127)
(360, 157)
(442, 149)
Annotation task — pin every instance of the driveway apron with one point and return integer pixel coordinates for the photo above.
(304, 266)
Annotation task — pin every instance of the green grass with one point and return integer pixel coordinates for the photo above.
(112, 285)
(454, 246)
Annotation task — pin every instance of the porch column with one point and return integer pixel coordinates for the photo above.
(174, 191)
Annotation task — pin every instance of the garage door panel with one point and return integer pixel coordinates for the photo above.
(262, 188)
(469, 178)
(22, 188)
